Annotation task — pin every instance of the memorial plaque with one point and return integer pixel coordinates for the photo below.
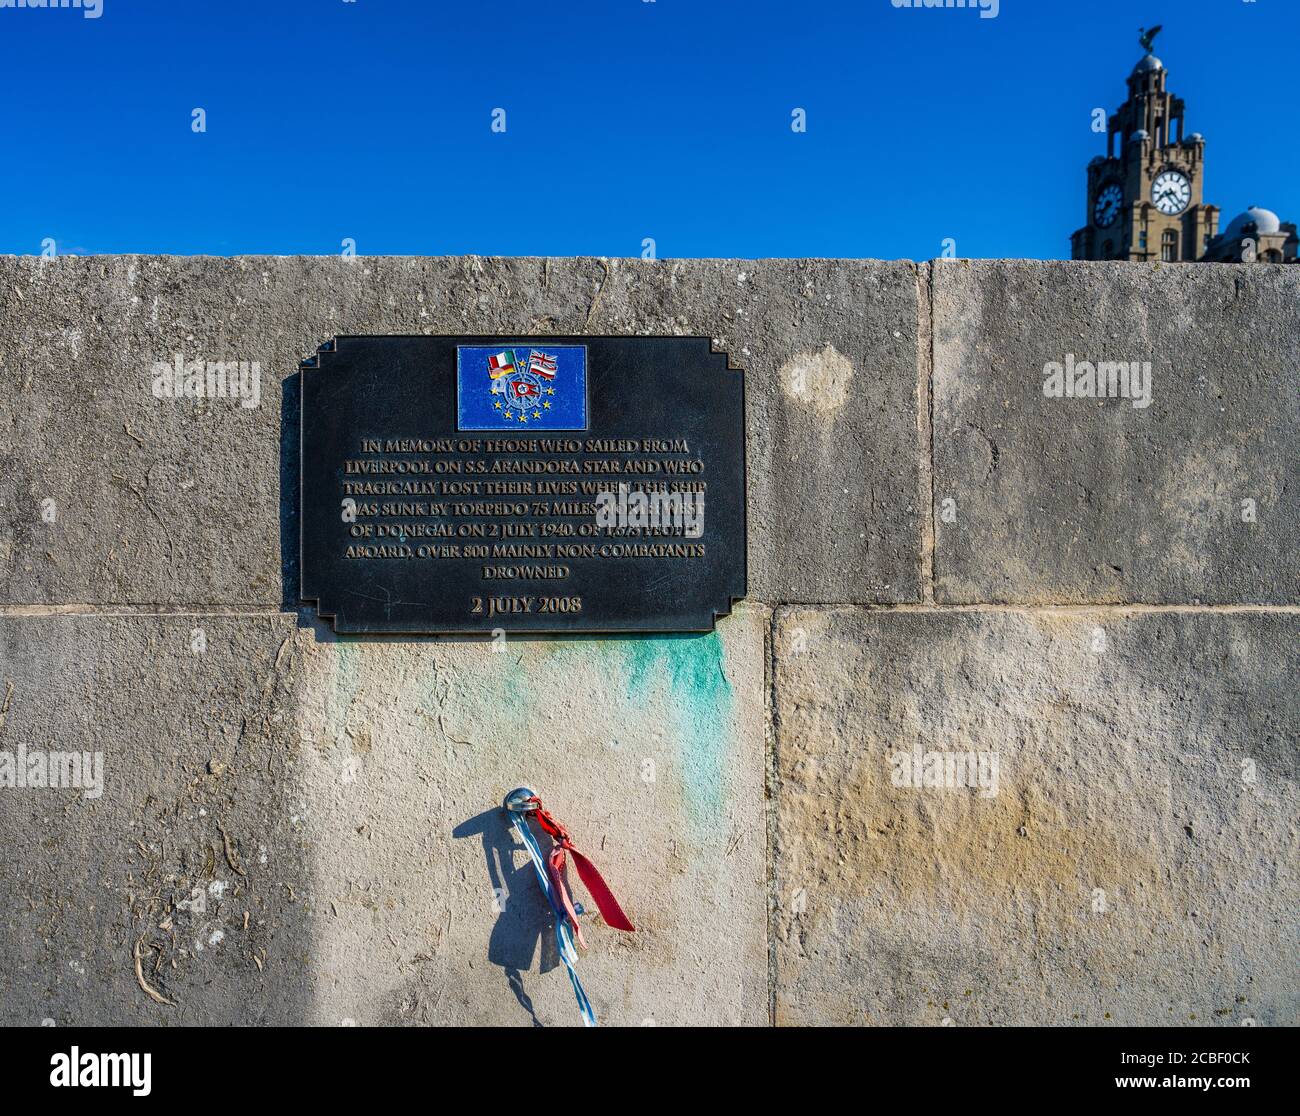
(545, 484)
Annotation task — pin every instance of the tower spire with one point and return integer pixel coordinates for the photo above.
(1145, 194)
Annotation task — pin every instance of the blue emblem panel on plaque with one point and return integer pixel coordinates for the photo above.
(481, 485)
(521, 387)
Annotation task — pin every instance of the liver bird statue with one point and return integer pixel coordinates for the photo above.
(1148, 38)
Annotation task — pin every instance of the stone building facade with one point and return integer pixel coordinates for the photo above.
(1256, 236)
(1146, 194)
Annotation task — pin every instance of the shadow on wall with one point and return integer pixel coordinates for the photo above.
(524, 918)
(290, 443)
(175, 897)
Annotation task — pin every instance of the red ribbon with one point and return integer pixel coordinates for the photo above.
(610, 911)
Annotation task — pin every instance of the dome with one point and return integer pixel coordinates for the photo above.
(1149, 65)
(1264, 220)
(1140, 134)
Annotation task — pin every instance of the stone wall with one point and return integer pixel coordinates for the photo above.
(1100, 599)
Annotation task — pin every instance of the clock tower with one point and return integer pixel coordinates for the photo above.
(1145, 194)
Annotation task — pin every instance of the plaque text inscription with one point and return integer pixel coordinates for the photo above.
(508, 484)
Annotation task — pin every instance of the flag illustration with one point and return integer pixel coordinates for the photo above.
(525, 389)
(543, 364)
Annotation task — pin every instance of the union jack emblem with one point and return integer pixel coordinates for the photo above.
(543, 364)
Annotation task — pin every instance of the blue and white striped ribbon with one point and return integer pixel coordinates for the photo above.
(564, 939)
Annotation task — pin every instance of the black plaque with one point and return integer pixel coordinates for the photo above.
(421, 515)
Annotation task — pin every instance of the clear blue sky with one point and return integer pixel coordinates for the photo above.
(625, 119)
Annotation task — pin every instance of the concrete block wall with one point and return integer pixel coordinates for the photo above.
(301, 828)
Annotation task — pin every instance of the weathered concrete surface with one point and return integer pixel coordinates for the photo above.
(1066, 500)
(356, 783)
(1123, 784)
(191, 743)
(159, 501)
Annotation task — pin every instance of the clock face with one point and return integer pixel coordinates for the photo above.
(1107, 207)
(1171, 192)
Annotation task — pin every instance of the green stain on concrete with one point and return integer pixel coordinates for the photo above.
(684, 676)
(347, 684)
(689, 670)
(515, 687)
